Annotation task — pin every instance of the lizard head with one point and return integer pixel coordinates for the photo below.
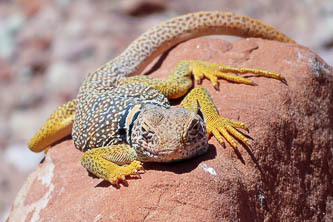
(165, 135)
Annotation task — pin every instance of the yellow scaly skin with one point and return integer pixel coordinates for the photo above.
(58, 126)
(121, 121)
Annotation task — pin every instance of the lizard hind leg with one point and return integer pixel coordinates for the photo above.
(213, 71)
(105, 162)
(58, 126)
(179, 81)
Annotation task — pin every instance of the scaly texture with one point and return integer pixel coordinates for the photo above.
(162, 37)
(58, 125)
(121, 119)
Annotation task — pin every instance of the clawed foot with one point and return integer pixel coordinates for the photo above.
(218, 126)
(214, 71)
(222, 127)
(119, 174)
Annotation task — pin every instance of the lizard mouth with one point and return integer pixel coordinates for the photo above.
(166, 135)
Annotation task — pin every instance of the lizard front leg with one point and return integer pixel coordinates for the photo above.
(199, 98)
(105, 162)
(179, 83)
(58, 126)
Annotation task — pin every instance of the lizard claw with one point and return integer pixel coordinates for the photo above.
(115, 183)
(119, 174)
(222, 127)
(141, 171)
(214, 71)
(138, 175)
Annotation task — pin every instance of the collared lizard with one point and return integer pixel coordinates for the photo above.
(121, 119)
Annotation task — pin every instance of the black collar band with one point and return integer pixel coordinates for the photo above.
(127, 120)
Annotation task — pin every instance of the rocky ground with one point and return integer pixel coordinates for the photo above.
(284, 176)
(47, 47)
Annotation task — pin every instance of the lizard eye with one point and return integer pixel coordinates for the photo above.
(146, 134)
(195, 127)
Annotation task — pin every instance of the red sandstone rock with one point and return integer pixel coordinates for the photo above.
(285, 176)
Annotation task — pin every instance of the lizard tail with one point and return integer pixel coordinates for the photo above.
(162, 37)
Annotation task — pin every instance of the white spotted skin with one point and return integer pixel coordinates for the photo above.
(98, 115)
